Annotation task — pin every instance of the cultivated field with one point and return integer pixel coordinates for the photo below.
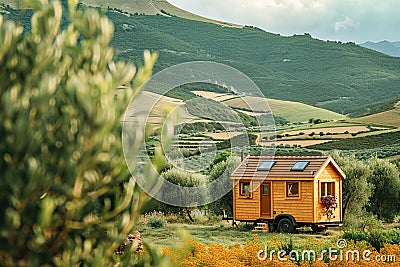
(162, 105)
(389, 118)
(216, 96)
(223, 135)
(303, 143)
(291, 111)
(333, 130)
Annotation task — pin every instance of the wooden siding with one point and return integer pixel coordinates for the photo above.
(300, 208)
(329, 174)
(247, 208)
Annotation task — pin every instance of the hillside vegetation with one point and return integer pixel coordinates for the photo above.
(293, 111)
(331, 75)
(154, 7)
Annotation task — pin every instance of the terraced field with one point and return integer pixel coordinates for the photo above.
(291, 111)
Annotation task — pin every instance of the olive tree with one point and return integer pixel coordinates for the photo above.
(385, 199)
(66, 195)
(356, 188)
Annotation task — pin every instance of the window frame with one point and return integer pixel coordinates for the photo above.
(241, 187)
(298, 195)
(296, 168)
(323, 188)
(262, 189)
(269, 164)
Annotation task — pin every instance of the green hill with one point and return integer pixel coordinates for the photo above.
(299, 112)
(334, 76)
(389, 118)
(374, 108)
(330, 75)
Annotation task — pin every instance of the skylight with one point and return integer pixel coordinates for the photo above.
(300, 165)
(266, 165)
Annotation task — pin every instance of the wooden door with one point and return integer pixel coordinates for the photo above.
(266, 199)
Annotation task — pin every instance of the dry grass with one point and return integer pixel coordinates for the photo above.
(387, 118)
(223, 135)
(291, 111)
(302, 143)
(350, 129)
(215, 96)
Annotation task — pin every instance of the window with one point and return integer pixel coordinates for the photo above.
(265, 189)
(292, 189)
(266, 165)
(327, 189)
(300, 165)
(245, 189)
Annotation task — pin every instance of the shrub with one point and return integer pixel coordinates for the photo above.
(393, 236)
(377, 239)
(355, 235)
(156, 223)
(66, 195)
(286, 245)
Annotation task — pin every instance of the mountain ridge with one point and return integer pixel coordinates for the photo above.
(385, 47)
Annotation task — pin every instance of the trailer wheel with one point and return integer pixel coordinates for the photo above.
(285, 226)
(271, 227)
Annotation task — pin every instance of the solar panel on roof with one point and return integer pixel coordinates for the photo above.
(266, 165)
(300, 165)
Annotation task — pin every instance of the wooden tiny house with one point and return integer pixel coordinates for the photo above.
(288, 192)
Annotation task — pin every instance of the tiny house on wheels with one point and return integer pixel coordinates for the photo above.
(288, 192)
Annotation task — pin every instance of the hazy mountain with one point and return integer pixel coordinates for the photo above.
(386, 47)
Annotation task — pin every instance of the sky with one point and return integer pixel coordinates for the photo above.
(339, 20)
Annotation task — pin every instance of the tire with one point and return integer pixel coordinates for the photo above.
(285, 226)
(271, 227)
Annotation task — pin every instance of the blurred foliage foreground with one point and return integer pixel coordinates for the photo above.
(66, 195)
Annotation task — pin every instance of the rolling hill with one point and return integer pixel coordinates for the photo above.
(390, 117)
(148, 7)
(300, 112)
(331, 75)
(291, 111)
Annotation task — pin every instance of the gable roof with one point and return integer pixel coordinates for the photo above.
(282, 168)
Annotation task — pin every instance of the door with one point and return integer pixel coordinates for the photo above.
(266, 199)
